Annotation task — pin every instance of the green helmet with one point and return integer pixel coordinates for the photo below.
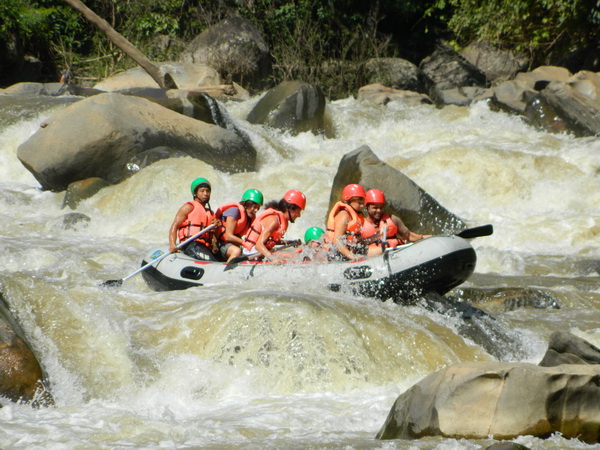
(254, 195)
(197, 182)
(313, 233)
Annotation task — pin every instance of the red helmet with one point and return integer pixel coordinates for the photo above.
(295, 197)
(353, 190)
(374, 196)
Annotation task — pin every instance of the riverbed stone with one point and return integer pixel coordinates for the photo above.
(478, 400)
(98, 136)
(82, 189)
(382, 95)
(294, 106)
(566, 348)
(397, 73)
(418, 210)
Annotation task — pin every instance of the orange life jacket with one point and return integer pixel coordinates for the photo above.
(198, 219)
(369, 229)
(354, 227)
(242, 225)
(257, 226)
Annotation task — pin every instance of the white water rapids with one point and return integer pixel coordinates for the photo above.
(286, 365)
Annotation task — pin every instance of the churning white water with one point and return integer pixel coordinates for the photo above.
(285, 365)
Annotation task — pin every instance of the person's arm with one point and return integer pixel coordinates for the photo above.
(230, 224)
(269, 225)
(340, 224)
(179, 218)
(405, 233)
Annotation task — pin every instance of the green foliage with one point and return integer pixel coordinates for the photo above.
(539, 27)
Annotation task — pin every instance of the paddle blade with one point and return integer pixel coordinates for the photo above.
(483, 230)
(111, 283)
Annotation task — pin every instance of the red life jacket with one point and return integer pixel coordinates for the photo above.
(354, 227)
(257, 226)
(369, 229)
(242, 225)
(198, 219)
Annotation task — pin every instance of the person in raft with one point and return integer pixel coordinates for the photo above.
(191, 218)
(388, 230)
(345, 222)
(235, 221)
(315, 248)
(269, 227)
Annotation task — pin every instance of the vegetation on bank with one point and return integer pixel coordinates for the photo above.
(322, 42)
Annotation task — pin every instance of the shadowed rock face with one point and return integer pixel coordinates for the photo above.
(417, 209)
(293, 106)
(117, 128)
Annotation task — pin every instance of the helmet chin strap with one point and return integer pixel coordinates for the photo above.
(290, 216)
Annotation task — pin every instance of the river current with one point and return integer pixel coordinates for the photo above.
(284, 364)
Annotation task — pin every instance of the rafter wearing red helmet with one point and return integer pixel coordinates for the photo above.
(345, 222)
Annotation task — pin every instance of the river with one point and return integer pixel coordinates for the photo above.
(284, 364)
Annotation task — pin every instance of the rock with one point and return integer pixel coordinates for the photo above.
(186, 75)
(446, 69)
(500, 400)
(82, 189)
(498, 65)
(417, 209)
(50, 89)
(397, 73)
(75, 221)
(21, 376)
(513, 96)
(509, 299)
(98, 136)
(566, 348)
(463, 96)
(236, 49)
(541, 76)
(293, 106)
(579, 111)
(382, 95)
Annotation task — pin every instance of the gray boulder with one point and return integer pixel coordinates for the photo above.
(236, 49)
(396, 73)
(445, 69)
(98, 136)
(566, 348)
(50, 89)
(417, 209)
(498, 65)
(500, 400)
(292, 106)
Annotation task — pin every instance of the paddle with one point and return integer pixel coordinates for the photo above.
(116, 283)
(483, 230)
(254, 256)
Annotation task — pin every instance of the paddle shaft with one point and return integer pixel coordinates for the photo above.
(163, 256)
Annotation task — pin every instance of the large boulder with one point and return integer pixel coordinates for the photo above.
(236, 49)
(417, 209)
(479, 400)
(497, 64)
(50, 89)
(292, 106)
(445, 69)
(397, 73)
(98, 136)
(186, 76)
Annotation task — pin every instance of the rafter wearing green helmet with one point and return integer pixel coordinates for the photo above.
(198, 182)
(253, 195)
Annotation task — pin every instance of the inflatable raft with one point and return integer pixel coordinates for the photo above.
(436, 264)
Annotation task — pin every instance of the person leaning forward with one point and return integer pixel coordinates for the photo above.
(388, 230)
(236, 219)
(345, 222)
(191, 218)
(269, 227)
